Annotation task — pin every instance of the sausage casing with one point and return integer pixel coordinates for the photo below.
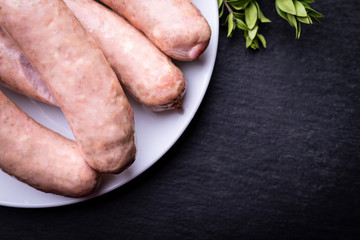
(177, 27)
(17, 73)
(40, 157)
(78, 76)
(146, 72)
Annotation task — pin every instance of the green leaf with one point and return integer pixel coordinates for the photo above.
(238, 4)
(253, 32)
(248, 42)
(261, 16)
(240, 24)
(221, 11)
(314, 19)
(292, 20)
(294, 23)
(220, 2)
(307, 1)
(230, 25)
(262, 39)
(306, 20)
(298, 30)
(286, 6)
(313, 13)
(251, 15)
(310, 20)
(239, 15)
(281, 13)
(255, 44)
(300, 9)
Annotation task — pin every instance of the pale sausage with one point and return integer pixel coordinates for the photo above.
(17, 73)
(78, 76)
(176, 26)
(40, 157)
(146, 72)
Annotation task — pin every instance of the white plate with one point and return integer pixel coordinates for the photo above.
(155, 132)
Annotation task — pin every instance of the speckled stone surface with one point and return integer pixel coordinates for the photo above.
(272, 153)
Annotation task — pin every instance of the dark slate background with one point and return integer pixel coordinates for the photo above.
(272, 153)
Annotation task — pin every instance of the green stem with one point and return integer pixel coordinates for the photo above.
(228, 7)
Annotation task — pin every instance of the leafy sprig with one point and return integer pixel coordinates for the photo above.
(297, 12)
(244, 15)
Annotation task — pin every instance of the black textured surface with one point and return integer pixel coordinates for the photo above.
(273, 152)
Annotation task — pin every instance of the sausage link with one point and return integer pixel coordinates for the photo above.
(142, 68)
(175, 26)
(40, 157)
(78, 76)
(16, 73)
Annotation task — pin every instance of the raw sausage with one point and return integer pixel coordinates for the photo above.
(150, 77)
(78, 76)
(17, 73)
(175, 26)
(142, 68)
(40, 157)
